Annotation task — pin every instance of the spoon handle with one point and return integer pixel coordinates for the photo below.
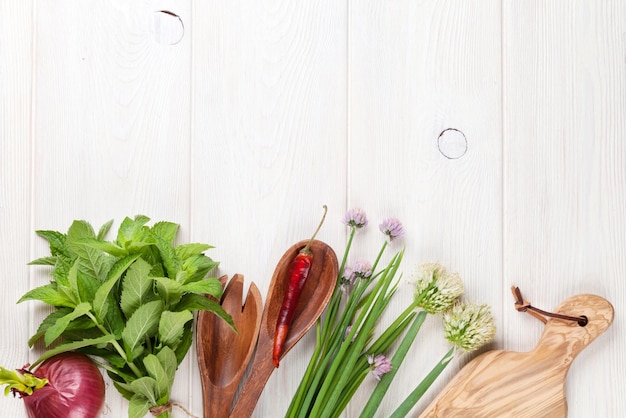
(260, 371)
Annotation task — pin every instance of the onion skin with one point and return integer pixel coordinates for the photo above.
(75, 388)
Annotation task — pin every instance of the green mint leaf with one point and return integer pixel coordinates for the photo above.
(106, 246)
(94, 262)
(87, 286)
(168, 255)
(170, 290)
(157, 372)
(131, 230)
(82, 327)
(185, 251)
(72, 279)
(209, 286)
(168, 361)
(56, 240)
(48, 321)
(197, 267)
(124, 389)
(44, 261)
(53, 332)
(48, 294)
(73, 346)
(166, 231)
(104, 230)
(142, 324)
(194, 302)
(138, 406)
(121, 266)
(76, 232)
(101, 300)
(146, 387)
(136, 287)
(171, 327)
(185, 343)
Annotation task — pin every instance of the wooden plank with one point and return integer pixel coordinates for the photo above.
(111, 124)
(415, 70)
(268, 147)
(16, 28)
(564, 158)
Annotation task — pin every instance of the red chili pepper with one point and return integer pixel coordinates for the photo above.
(298, 274)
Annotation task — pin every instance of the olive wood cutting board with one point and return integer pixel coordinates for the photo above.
(512, 384)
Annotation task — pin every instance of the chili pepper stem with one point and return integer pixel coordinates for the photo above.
(307, 248)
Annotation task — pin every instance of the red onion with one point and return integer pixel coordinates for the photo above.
(75, 388)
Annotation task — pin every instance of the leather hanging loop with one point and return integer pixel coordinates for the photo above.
(524, 306)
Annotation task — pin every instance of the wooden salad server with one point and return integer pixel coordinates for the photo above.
(511, 384)
(223, 354)
(313, 300)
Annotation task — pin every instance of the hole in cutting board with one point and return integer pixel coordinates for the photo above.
(452, 143)
(167, 27)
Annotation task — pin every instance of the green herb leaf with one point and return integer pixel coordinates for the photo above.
(211, 287)
(194, 302)
(170, 290)
(77, 231)
(131, 230)
(157, 372)
(185, 343)
(171, 327)
(168, 361)
(185, 251)
(170, 260)
(138, 406)
(62, 348)
(104, 229)
(48, 294)
(108, 247)
(53, 332)
(197, 267)
(56, 240)
(166, 231)
(147, 387)
(136, 287)
(142, 324)
(101, 299)
(44, 261)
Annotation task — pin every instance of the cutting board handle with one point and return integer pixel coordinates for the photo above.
(568, 338)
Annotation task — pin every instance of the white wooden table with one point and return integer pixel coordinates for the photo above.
(240, 119)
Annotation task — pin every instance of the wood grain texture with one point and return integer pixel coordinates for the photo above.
(262, 112)
(512, 384)
(315, 296)
(416, 69)
(224, 353)
(564, 107)
(110, 129)
(268, 141)
(16, 63)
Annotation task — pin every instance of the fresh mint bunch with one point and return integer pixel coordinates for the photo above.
(127, 302)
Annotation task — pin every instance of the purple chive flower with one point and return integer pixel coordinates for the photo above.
(379, 365)
(361, 269)
(346, 279)
(355, 218)
(392, 228)
(347, 333)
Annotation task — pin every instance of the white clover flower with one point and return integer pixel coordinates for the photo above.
(355, 218)
(469, 326)
(392, 228)
(436, 289)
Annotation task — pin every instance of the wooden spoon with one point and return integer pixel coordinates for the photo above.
(511, 384)
(223, 354)
(313, 300)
